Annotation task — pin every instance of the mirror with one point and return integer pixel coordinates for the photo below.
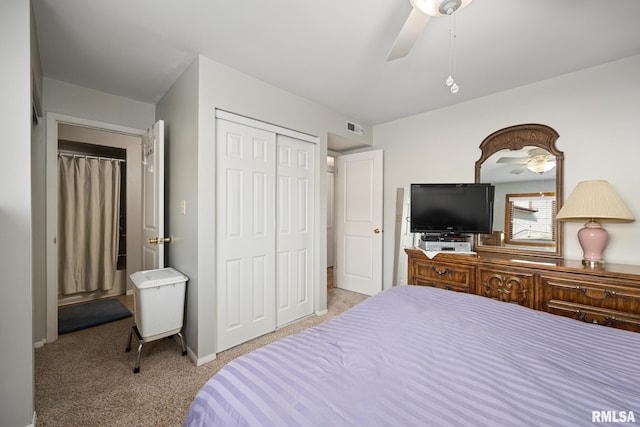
(526, 168)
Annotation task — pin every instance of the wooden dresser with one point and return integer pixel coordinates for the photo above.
(608, 296)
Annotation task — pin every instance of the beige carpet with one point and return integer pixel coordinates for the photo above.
(85, 378)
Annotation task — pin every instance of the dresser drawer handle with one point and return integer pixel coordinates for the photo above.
(435, 285)
(440, 272)
(607, 320)
(595, 293)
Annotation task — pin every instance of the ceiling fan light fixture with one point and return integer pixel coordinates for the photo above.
(439, 7)
(540, 165)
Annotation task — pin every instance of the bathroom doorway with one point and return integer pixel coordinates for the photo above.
(103, 149)
(94, 140)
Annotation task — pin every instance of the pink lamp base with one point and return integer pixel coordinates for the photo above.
(593, 239)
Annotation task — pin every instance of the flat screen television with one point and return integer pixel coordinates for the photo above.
(451, 208)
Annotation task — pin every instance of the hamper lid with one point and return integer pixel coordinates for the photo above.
(159, 277)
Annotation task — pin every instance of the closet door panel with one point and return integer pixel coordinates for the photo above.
(245, 227)
(283, 284)
(233, 276)
(295, 219)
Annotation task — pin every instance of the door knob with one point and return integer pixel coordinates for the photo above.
(159, 240)
(377, 231)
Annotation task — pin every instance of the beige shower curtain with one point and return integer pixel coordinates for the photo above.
(88, 222)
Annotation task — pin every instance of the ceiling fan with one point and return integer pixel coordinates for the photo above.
(422, 11)
(537, 160)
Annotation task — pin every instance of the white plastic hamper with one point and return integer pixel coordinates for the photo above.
(158, 299)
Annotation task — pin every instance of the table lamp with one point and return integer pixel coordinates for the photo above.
(594, 202)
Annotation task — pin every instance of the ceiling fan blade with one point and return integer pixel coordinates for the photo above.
(409, 33)
(512, 160)
(538, 152)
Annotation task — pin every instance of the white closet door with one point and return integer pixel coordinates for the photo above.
(295, 227)
(245, 227)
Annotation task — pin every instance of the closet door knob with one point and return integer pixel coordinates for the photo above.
(377, 231)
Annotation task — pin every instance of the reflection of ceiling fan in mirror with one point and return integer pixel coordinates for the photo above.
(422, 11)
(537, 160)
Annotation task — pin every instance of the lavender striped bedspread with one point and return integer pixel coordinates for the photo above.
(416, 356)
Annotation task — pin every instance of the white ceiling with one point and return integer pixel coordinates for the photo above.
(332, 51)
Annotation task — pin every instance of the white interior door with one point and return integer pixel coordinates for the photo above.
(245, 229)
(295, 227)
(358, 180)
(153, 237)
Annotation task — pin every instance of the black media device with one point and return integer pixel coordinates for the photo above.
(452, 209)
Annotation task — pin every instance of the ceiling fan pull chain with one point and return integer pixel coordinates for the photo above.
(452, 17)
(450, 80)
(452, 52)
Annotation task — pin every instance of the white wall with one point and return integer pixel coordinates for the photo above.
(82, 102)
(595, 111)
(16, 354)
(179, 110)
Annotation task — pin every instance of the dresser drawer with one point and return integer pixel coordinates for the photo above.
(508, 285)
(443, 275)
(598, 316)
(592, 301)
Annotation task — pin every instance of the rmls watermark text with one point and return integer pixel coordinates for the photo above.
(613, 417)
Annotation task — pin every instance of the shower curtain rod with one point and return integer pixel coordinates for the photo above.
(90, 157)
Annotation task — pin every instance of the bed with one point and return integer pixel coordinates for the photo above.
(421, 356)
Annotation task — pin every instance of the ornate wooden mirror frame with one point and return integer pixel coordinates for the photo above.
(515, 138)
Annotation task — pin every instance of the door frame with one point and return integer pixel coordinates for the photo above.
(51, 191)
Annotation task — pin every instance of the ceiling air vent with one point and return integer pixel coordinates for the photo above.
(355, 128)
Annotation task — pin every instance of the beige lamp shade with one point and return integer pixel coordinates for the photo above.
(597, 201)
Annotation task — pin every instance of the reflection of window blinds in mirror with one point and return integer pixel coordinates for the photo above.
(532, 218)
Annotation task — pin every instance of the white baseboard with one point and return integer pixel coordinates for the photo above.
(40, 343)
(201, 361)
